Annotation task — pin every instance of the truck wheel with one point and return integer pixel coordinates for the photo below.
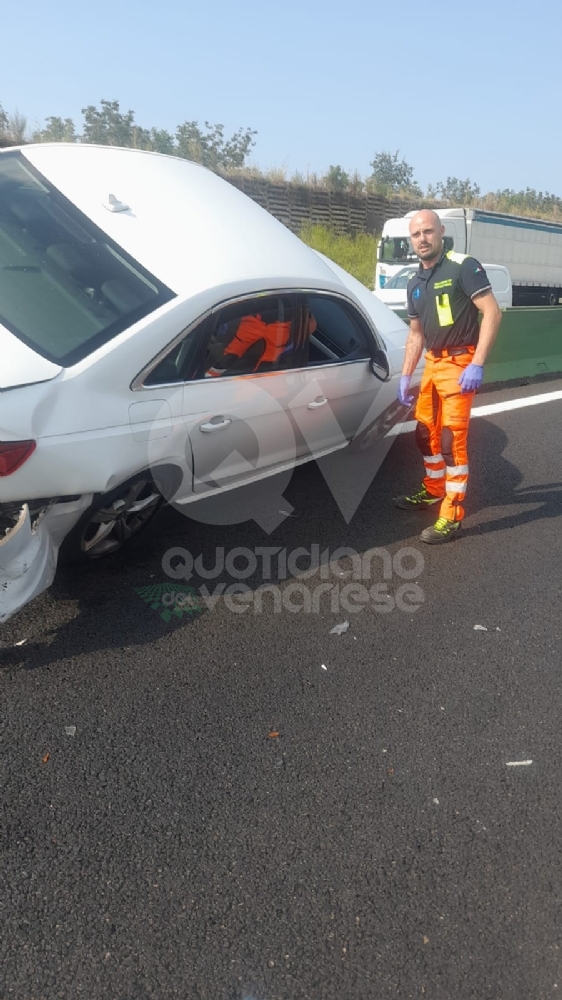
(112, 521)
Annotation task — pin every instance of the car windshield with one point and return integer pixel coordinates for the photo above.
(401, 279)
(394, 249)
(65, 287)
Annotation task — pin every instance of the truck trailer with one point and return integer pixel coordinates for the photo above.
(530, 248)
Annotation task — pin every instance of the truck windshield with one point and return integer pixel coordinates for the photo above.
(394, 249)
(65, 287)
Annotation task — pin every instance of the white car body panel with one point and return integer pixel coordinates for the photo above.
(28, 554)
(95, 428)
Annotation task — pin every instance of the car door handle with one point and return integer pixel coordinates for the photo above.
(215, 425)
(319, 401)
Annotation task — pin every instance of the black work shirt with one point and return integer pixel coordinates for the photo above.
(441, 298)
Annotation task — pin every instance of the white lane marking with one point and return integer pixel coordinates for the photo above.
(518, 763)
(487, 410)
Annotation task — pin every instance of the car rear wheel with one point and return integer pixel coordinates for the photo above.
(112, 521)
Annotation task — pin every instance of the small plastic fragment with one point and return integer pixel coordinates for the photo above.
(45, 758)
(339, 629)
(480, 628)
(273, 735)
(324, 667)
(70, 730)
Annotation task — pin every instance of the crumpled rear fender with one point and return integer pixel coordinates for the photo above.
(29, 553)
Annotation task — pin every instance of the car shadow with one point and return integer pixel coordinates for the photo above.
(120, 601)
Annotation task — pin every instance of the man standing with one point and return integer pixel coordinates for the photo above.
(445, 296)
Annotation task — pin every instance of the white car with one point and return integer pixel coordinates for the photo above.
(394, 293)
(161, 336)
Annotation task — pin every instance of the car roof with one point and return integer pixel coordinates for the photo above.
(186, 225)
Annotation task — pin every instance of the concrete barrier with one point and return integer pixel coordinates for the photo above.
(529, 343)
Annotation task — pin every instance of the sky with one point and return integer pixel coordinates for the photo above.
(467, 89)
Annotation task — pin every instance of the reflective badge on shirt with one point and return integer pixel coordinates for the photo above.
(444, 313)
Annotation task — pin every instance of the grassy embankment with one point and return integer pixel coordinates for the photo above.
(357, 254)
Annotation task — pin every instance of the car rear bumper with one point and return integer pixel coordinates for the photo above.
(29, 551)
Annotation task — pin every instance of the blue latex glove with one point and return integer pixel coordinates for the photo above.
(403, 389)
(471, 378)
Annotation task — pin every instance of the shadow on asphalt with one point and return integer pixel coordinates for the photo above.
(111, 599)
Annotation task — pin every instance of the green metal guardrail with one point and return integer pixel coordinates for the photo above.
(529, 343)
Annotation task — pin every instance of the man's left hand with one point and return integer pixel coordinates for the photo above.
(471, 378)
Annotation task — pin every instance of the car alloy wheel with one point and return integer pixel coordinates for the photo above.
(119, 520)
(112, 521)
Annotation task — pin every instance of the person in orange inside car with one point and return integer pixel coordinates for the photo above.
(445, 297)
(272, 339)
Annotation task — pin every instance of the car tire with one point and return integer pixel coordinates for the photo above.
(112, 521)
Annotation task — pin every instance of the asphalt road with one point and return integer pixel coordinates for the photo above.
(379, 845)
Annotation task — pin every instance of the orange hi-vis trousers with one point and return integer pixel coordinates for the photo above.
(443, 415)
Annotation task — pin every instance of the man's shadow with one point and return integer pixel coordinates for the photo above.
(495, 482)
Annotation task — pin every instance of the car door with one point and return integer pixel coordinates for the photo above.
(338, 366)
(245, 388)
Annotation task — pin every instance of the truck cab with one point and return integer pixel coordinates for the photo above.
(395, 249)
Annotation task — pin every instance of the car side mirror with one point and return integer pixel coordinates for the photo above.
(380, 365)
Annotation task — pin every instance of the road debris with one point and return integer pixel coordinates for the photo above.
(45, 758)
(273, 735)
(425, 939)
(480, 628)
(323, 666)
(339, 629)
(70, 730)
(20, 643)
(436, 802)
(518, 763)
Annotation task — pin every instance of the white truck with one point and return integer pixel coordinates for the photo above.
(530, 248)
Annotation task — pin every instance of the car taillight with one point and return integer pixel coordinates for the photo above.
(13, 454)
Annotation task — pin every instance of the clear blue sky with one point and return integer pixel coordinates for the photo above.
(467, 89)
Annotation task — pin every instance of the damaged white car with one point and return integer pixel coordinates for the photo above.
(162, 337)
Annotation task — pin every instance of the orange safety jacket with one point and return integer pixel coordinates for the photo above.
(251, 329)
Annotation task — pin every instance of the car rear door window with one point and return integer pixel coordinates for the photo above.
(336, 331)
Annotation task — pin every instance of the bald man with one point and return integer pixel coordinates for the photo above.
(445, 297)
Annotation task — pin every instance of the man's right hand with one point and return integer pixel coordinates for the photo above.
(403, 390)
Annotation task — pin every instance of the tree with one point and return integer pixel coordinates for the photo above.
(336, 179)
(3, 123)
(211, 148)
(392, 176)
(56, 130)
(108, 126)
(17, 128)
(162, 141)
(461, 192)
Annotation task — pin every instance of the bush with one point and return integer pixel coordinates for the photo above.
(356, 254)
